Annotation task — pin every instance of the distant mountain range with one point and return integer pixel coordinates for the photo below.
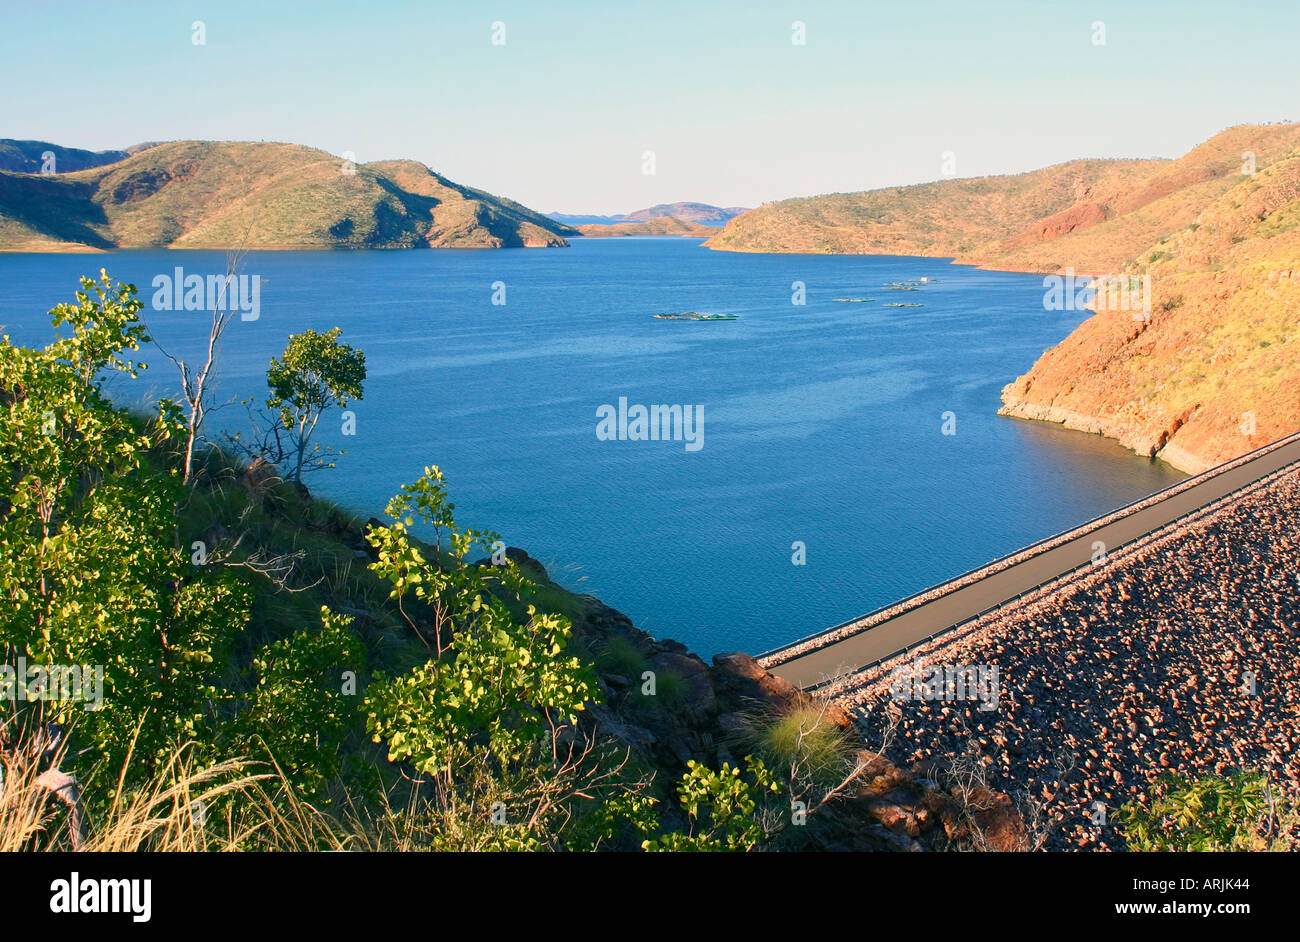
(30, 156)
(657, 226)
(206, 194)
(1208, 372)
(701, 213)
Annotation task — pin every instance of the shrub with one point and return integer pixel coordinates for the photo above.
(722, 807)
(1237, 813)
(816, 753)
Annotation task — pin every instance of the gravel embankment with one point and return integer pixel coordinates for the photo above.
(1131, 672)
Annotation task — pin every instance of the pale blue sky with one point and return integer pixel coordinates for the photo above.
(735, 113)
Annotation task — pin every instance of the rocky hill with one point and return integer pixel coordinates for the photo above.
(1209, 373)
(950, 218)
(204, 194)
(659, 226)
(1214, 371)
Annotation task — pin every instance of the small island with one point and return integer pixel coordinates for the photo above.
(695, 316)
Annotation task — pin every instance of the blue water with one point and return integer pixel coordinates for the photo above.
(822, 422)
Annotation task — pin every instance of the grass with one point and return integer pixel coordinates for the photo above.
(620, 656)
(670, 687)
(230, 805)
(804, 743)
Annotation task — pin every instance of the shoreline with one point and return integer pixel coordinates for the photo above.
(1131, 438)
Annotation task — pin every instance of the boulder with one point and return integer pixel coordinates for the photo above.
(258, 475)
(750, 679)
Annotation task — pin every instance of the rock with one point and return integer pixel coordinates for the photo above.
(733, 725)
(699, 701)
(609, 723)
(755, 681)
(258, 475)
(895, 841)
(893, 816)
(686, 746)
(529, 566)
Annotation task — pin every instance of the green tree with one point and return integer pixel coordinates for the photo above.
(315, 373)
(95, 574)
(297, 709)
(92, 572)
(491, 719)
(96, 571)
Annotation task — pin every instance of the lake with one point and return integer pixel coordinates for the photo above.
(822, 423)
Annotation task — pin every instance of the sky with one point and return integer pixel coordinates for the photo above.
(561, 110)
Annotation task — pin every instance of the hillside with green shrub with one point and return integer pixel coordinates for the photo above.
(1092, 215)
(1213, 370)
(217, 195)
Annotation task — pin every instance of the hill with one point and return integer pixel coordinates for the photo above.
(205, 194)
(29, 156)
(701, 213)
(964, 219)
(659, 226)
(1214, 372)
(1092, 215)
(581, 219)
(1210, 374)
